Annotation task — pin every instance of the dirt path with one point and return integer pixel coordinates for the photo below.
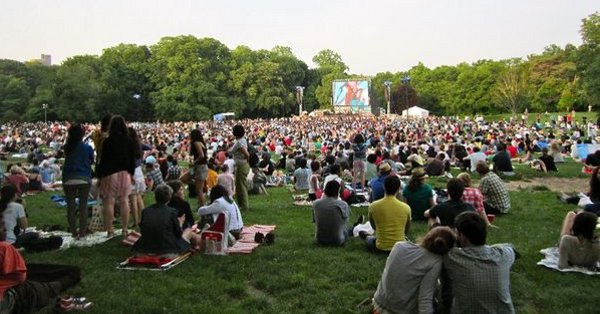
(566, 185)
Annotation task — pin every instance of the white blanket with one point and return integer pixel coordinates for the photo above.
(550, 260)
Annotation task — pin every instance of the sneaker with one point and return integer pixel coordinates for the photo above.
(270, 238)
(75, 307)
(259, 237)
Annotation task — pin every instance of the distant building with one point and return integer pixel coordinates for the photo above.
(45, 60)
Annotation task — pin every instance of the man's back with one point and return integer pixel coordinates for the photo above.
(448, 210)
(160, 230)
(480, 278)
(331, 215)
(390, 217)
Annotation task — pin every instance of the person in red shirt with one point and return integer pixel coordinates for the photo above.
(27, 289)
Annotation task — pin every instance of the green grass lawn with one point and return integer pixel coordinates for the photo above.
(296, 276)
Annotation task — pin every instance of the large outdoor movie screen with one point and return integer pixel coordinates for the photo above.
(351, 95)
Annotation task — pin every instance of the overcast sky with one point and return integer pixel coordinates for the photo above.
(371, 36)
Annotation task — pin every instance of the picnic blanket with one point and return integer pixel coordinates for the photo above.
(246, 244)
(153, 262)
(550, 260)
(62, 202)
(69, 241)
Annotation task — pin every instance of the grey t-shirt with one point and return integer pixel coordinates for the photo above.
(330, 217)
(12, 213)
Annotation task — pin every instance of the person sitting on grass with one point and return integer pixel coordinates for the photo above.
(161, 229)
(409, 280)
(221, 202)
(479, 274)
(418, 194)
(545, 163)
(502, 162)
(178, 202)
(389, 217)
(444, 213)
(29, 288)
(496, 198)
(330, 215)
(301, 176)
(377, 188)
(578, 245)
(474, 197)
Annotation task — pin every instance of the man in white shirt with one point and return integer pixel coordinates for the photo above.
(475, 157)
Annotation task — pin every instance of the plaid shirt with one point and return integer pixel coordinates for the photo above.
(474, 197)
(480, 277)
(495, 192)
(174, 172)
(156, 176)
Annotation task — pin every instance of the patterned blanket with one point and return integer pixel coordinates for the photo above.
(246, 244)
(550, 260)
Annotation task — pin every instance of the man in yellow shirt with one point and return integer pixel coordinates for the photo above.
(389, 217)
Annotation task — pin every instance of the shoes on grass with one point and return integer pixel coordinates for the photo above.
(71, 303)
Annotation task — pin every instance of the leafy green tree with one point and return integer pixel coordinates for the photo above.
(567, 100)
(125, 80)
(14, 96)
(78, 90)
(331, 67)
(511, 90)
(588, 62)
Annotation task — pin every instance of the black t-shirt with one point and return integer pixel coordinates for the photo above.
(592, 160)
(549, 162)
(502, 162)
(448, 210)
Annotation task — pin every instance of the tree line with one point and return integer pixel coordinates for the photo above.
(188, 78)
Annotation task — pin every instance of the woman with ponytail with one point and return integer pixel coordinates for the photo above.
(411, 273)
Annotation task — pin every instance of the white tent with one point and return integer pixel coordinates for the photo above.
(415, 111)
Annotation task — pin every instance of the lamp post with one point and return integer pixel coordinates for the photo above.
(137, 97)
(45, 107)
(299, 96)
(406, 81)
(388, 85)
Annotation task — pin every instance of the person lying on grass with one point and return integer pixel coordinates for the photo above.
(578, 244)
(161, 229)
(411, 272)
(29, 288)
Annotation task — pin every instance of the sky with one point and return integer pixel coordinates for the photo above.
(371, 36)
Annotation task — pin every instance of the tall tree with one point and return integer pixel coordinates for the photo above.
(589, 57)
(511, 90)
(331, 67)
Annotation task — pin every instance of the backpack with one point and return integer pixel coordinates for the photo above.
(253, 158)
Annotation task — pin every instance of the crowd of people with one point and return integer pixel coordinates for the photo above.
(337, 160)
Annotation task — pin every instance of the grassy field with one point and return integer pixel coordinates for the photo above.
(296, 276)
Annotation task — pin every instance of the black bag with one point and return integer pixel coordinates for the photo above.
(31, 241)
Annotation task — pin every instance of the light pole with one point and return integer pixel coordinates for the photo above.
(45, 107)
(299, 96)
(406, 81)
(137, 97)
(388, 85)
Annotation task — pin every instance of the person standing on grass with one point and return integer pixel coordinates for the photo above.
(138, 187)
(330, 215)
(115, 173)
(359, 166)
(479, 274)
(496, 199)
(578, 245)
(409, 280)
(389, 217)
(239, 150)
(77, 178)
(198, 151)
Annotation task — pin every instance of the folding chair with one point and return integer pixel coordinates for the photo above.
(214, 239)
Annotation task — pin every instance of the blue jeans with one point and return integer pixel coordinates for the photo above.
(371, 243)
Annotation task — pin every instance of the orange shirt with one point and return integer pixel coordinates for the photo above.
(12, 267)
